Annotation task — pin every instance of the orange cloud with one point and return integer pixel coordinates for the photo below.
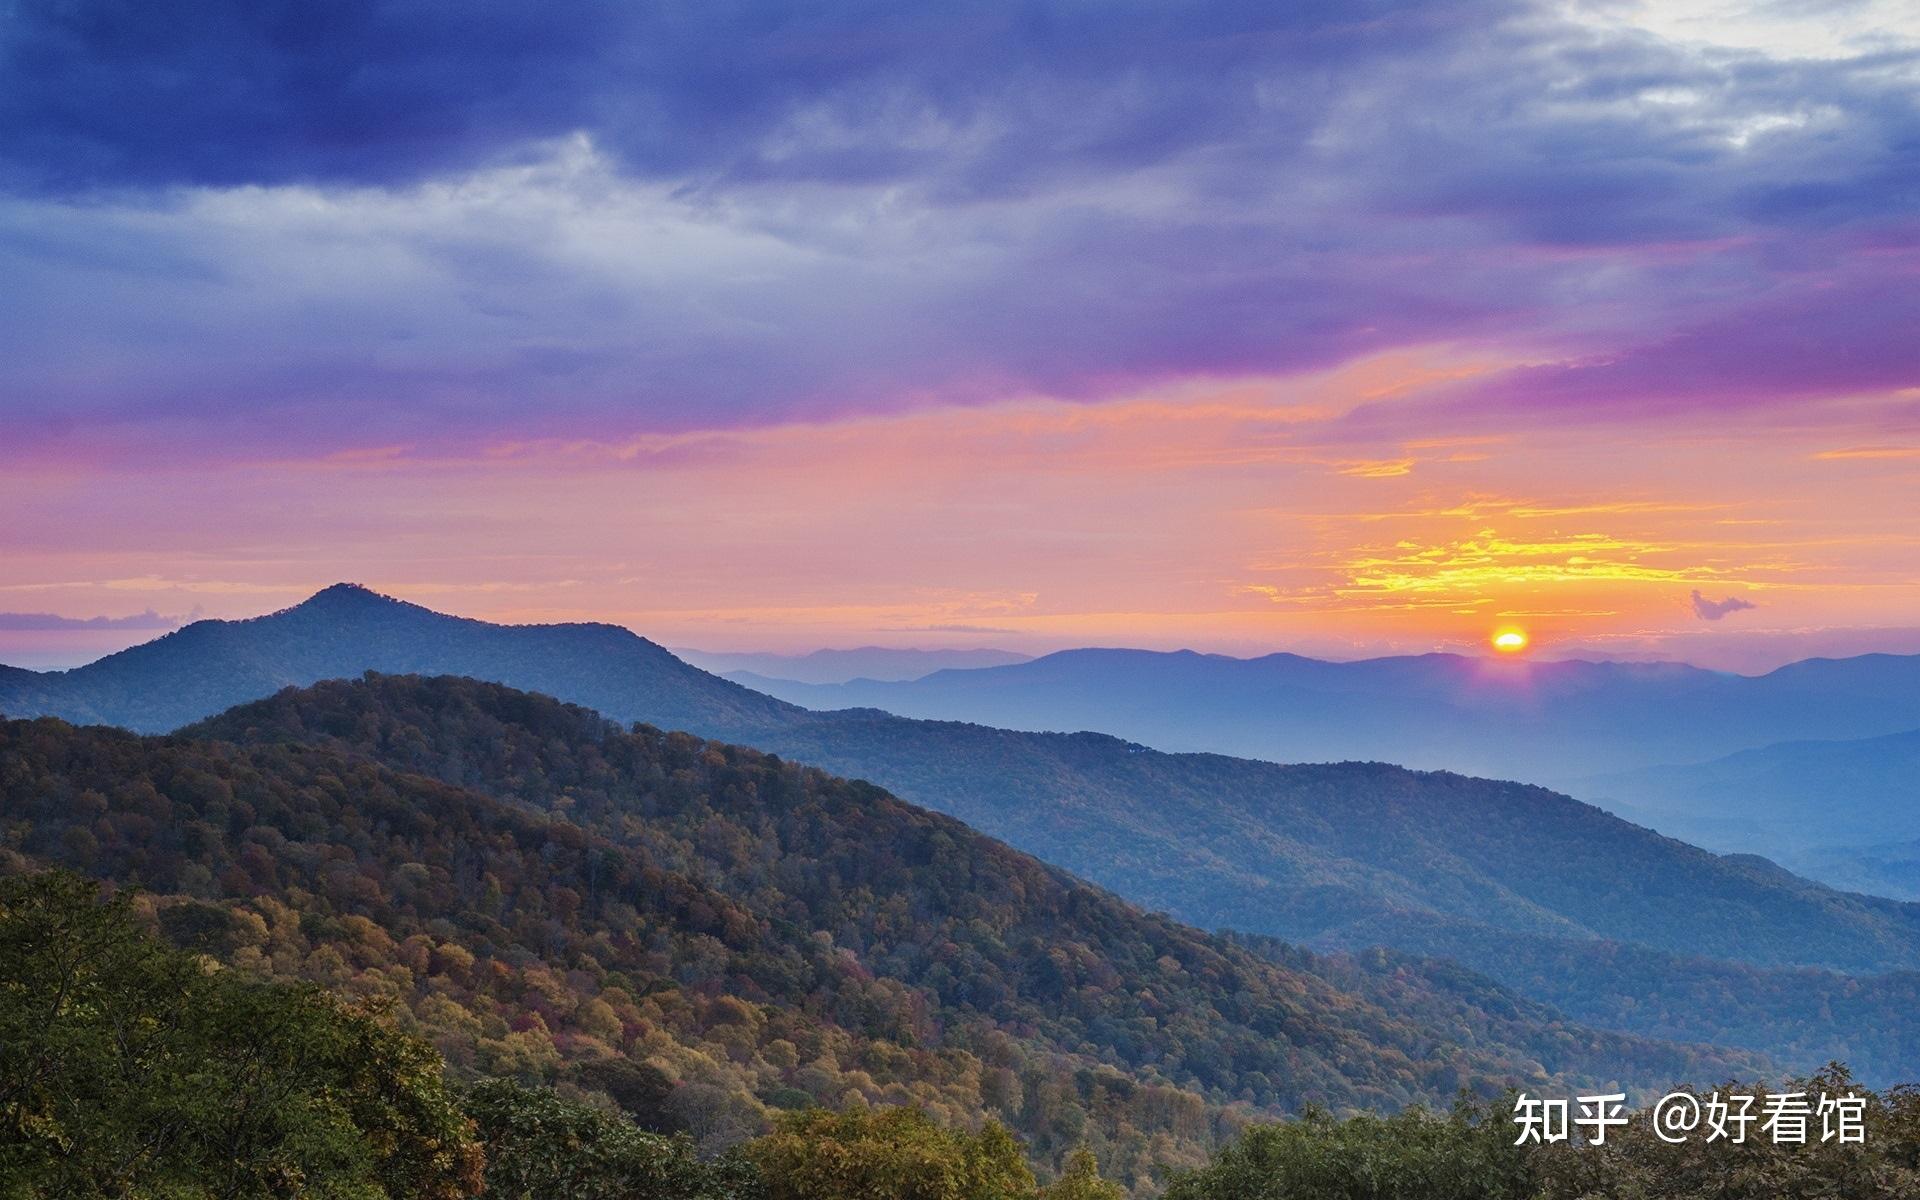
(1238, 514)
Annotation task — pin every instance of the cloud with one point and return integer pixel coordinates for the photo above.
(1846, 333)
(284, 229)
(977, 98)
(947, 629)
(13, 622)
(1713, 610)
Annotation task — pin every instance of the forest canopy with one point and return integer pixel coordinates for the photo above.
(569, 958)
(706, 936)
(131, 1069)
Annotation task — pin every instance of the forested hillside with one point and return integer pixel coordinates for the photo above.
(707, 934)
(1734, 951)
(1547, 895)
(1355, 853)
(1806, 1015)
(131, 1069)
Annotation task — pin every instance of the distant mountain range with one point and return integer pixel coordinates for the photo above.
(1843, 811)
(1614, 925)
(1758, 778)
(842, 666)
(1540, 721)
(1881, 868)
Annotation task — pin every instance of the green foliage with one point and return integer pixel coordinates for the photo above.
(129, 1069)
(1470, 1154)
(542, 1146)
(894, 1154)
(1636, 1164)
(643, 1091)
(489, 737)
(1414, 1155)
(1081, 1181)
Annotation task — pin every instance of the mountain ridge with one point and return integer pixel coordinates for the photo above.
(1827, 807)
(387, 633)
(1535, 889)
(878, 663)
(1544, 721)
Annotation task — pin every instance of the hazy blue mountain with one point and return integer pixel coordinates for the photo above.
(1816, 805)
(1558, 899)
(208, 666)
(1887, 869)
(1311, 851)
(1547, 722)
(841, 666)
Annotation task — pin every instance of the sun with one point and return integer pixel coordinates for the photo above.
(1510, 640)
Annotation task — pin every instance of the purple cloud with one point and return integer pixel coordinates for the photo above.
(987, 96)
(14, 622)
(282, 230)
(1713, 610)
(946, 629)
(1845, 327)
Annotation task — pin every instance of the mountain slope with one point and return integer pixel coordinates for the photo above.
(1354, 853)
(1800, 802)
(841, 666)
(1806, 1015)
(1541, 892)
(1345, 853)
(1546, 722)
(758, 929)
(1879, 868)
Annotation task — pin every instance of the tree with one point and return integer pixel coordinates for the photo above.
(1636, 1161)
(131, 1069)
(891, 1154)
(1081, 1181)
(641, 1090)
(542, 1146)
(1415, 1155)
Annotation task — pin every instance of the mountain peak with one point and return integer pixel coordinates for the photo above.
(349, 603)
(345, 630)
(347, 597)
(345, 591)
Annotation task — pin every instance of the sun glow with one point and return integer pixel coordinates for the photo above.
(1510, 641)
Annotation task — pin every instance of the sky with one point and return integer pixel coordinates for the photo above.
(1342, 328)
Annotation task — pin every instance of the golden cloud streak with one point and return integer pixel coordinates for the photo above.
(1554, 574)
